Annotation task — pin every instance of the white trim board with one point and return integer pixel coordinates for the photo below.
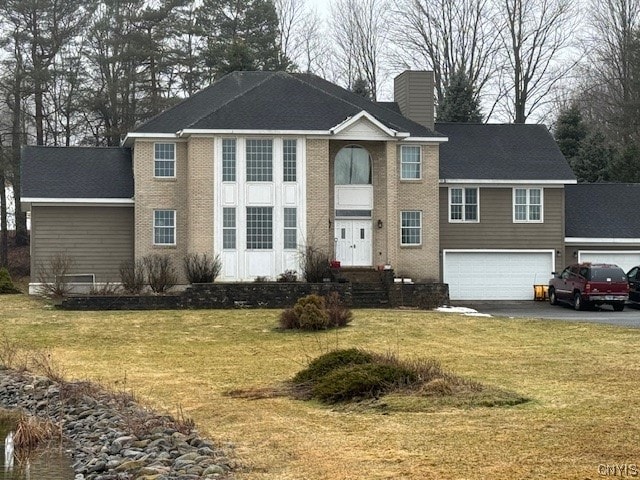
(587, 240)
(507, 183)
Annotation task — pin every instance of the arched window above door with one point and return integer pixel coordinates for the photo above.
(352, 166)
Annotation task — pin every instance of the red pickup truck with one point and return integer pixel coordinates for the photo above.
(589, 284)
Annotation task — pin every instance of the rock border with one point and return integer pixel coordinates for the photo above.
(110, 437)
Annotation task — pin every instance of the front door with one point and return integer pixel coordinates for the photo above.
(353, 243)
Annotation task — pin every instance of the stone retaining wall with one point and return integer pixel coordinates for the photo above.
(257, 295)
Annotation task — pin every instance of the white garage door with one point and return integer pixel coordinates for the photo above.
(625, 260)
(496, 275)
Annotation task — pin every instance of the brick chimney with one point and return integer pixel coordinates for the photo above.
(413, 92)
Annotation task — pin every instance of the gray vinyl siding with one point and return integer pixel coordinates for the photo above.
(496, 229)
(97, 239)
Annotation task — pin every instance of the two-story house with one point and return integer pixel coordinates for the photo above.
(260, 165)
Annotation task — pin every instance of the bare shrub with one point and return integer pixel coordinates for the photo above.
(339, 314)
(289, 320)
(315, 264)
(53, 276)
(202, 268)
(161, 274)
(132, 276)
(288, 276)
(106, 289)
(42, 363)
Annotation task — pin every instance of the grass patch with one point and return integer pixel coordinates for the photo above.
(583, 378)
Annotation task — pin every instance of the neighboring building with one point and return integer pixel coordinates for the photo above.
(261, 165)
(603, 224)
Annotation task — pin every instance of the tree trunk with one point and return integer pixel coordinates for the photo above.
(4, 246)
(17, 139)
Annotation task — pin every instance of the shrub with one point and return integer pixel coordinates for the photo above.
(202, 268)
(331, 361)
(132, 276)
(339, 314)
(314, 312)
(288, 276)
(311, 313)
(53, 276)
(314, 264)
(367, 380)
(6, 285)
(289, 320)
(161, 275)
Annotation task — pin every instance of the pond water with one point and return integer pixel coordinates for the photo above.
(48, 464)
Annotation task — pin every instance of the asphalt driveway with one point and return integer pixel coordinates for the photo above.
(630, 317)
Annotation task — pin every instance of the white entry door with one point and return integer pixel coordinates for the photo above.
(353, 242)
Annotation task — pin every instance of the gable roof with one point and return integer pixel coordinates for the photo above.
(275, 101)
(76, 173)
(602, 210)
(502, 153)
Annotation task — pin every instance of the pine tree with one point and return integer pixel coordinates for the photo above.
(625, 166)
(460, 103)
(592, 164)
(570, 132)
(241, 35)
(361, 87)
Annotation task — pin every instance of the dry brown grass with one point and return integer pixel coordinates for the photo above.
(582, 378)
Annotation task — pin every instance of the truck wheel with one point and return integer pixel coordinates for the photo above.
(552, 296)
(577, 301)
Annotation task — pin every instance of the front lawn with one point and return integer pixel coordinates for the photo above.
(582, 380)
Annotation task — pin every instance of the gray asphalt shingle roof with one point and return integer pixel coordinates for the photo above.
(501, 152)
(602, 210)
(274, 101)
(76, 172)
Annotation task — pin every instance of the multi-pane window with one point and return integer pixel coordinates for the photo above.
(289, 160)
(259, 228)
(410, 163)
(352, 166)
(527, 205)
(229, 160)
(164, 227)
(229, 228)
(259, 160)
(290, 229)
(463, 204)
(411, 229)
(164, 160)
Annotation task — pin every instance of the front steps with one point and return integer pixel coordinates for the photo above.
(369, 287)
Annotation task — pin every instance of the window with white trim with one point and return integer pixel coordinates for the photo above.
(228, 159)
(410, 162)
(289, 160)
(229, 228)
(164, 164)
(411, 228)
(527, 205)
(463, 204)
(290, 228)
(259, 152)
(259, 228)
(164, 227)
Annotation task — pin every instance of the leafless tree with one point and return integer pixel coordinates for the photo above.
(291, 14)
(610, 90)
(536, 36)
(447, 36)
(361, 33)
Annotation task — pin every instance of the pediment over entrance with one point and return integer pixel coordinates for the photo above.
(364, 126)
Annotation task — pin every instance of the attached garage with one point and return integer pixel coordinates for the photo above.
(625, 259)
(496, 274)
